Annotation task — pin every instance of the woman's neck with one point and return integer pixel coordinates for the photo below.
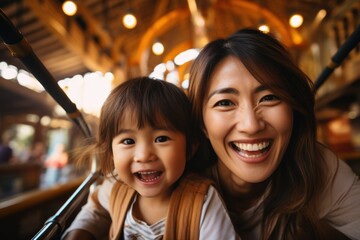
(238, 194)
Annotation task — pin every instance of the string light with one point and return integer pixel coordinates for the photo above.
(129, 21)
(158, 48)
(296, 20)
(69, 8)
(264, 28)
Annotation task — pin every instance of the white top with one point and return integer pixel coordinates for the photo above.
(140, 230)
(214, 222)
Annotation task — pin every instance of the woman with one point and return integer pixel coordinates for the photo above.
(256, 110)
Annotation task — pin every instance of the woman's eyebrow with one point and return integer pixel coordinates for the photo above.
(261, 88)
(222, 91)
(258, 89)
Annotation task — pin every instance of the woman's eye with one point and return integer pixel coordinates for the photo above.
(224, 103)
(268, 98)
(128, 141)
(161, 139)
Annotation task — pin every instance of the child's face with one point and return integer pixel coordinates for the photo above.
(147, 159)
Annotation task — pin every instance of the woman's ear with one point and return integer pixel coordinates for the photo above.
(192, 149)
(203, 129)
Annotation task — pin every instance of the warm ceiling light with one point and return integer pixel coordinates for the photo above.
(129, 21)
(296, 20)
(264, 28)
(69, 8)
(186, 56)
(158, 48)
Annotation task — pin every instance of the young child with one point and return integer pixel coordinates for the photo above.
(144, 141)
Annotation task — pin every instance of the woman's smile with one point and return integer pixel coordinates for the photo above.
(252, 152)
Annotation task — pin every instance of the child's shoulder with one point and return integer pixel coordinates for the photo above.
(194, 183)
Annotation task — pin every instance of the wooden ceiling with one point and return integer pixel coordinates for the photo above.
(95, 39)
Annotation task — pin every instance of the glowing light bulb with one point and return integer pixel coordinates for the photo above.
(264, 28)
(296, 20)
(129, 21)
(158, 48)
(69, 8)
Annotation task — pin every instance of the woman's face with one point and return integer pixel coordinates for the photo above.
(248, 126)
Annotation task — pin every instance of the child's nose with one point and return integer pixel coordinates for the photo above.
(144, 153)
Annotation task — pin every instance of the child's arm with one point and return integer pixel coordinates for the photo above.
(215, 222)
(79, 234)
(93, 221)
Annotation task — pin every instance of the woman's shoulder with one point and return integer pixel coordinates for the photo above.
(340, 177)
(339, 200)
(335, 167)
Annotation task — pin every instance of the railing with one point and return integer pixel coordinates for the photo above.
(22, 215)
(56, 224)
(21, 49)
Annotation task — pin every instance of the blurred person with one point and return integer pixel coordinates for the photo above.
(54, 164)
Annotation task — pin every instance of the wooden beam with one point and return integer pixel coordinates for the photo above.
(251, 7)
(162, 25)
(72, 35)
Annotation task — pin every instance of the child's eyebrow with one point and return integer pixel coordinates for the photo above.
(164, 128)
(123, 130)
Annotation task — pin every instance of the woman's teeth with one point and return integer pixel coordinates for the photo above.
(252, 146)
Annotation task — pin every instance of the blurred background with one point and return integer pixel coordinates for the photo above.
(90, 46)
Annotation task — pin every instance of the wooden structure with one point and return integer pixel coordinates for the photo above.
(95, 40)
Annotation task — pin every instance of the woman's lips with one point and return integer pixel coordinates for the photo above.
(254, 152)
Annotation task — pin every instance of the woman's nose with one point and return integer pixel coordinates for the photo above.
(249, 121)
(144, 153)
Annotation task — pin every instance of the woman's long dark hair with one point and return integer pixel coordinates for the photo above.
(289, 208)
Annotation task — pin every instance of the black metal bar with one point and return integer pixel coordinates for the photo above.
(55, 225)
(20, 48)
(350, 43)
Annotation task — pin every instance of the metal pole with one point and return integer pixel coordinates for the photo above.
(20, 48)
(338, 57)
(56, 224)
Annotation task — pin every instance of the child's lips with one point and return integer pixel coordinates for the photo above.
(148, 176)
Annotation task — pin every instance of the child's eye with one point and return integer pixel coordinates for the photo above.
(224, 102)
(161, 139)
(269, 98)
(128, 141)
